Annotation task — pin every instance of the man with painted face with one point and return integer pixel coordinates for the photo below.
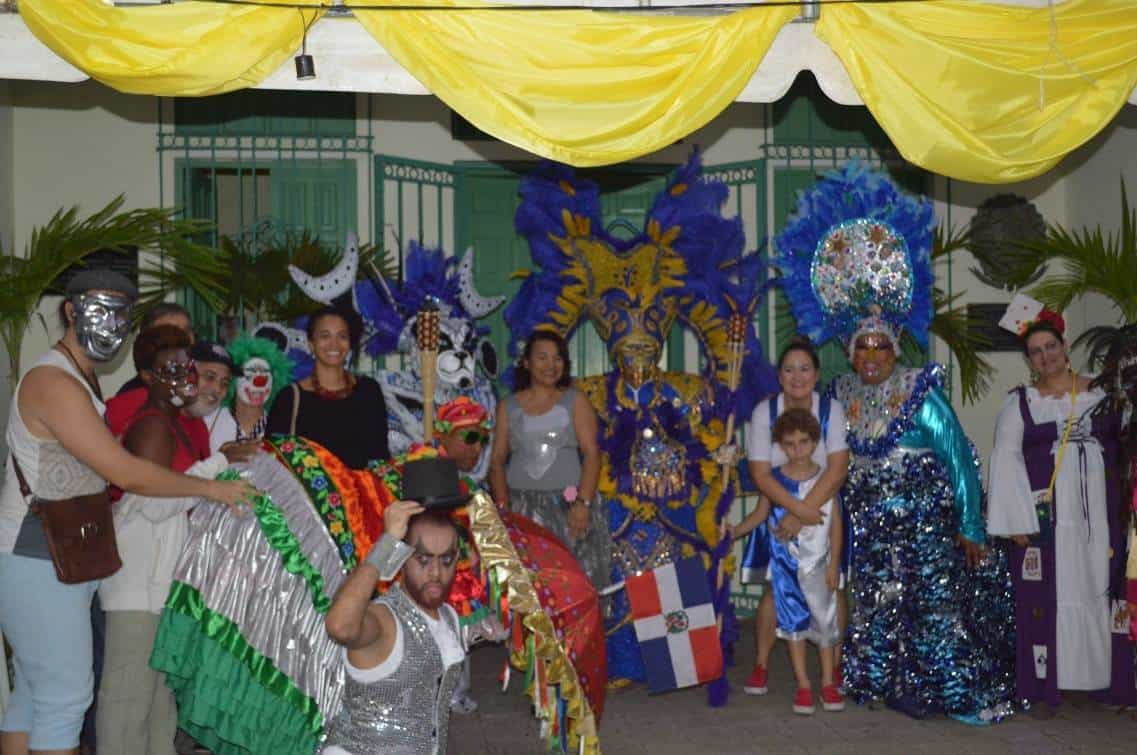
(403, 653)
(135, 712)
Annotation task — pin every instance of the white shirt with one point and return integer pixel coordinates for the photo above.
(222, 428)
(760, 447)
(151, 533)
(1010, 500)
(449, 646)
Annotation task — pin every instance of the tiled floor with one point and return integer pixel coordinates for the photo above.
(680, 722)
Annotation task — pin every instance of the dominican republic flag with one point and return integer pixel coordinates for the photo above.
(675, 625)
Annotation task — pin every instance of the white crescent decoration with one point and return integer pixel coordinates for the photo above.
(477, 305)
(334, 284)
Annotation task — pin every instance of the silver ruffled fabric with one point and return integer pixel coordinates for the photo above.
(239, 575)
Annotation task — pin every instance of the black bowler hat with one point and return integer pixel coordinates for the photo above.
(433, 482)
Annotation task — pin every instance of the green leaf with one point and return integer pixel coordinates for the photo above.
(67, 239)
(1090, 261)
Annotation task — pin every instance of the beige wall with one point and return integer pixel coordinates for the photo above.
(78, 144)
(84, 144)
(6, 236)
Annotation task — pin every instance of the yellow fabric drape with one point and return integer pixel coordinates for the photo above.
(956, 85)
(185, 49)
(965, 89)
(581, 87)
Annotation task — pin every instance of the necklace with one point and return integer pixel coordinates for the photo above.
(257, 432)
(338, 393)
(91, 381)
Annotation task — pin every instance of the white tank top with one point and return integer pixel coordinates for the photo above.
(52, 473)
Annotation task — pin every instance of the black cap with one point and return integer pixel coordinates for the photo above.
(433, 482)
(208, 351)
(101, 280)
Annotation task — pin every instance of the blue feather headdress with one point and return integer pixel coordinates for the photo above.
(857, 248)
(429, 276)
(687, 265)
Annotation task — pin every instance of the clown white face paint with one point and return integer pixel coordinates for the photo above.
(102, 322)
(254, 386)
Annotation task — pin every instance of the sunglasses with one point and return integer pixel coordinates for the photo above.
(474, 437)
(872, 343)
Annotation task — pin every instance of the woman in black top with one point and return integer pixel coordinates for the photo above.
(342, 412)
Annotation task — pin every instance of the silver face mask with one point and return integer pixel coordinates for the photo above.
(102, 322)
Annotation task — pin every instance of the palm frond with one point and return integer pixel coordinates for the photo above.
(952, 325)
(184, 264)
(260, 285)
(66, 240)
(948, 240)
(1091, 261)
(963, 335)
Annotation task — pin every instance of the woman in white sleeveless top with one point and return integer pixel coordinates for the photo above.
(57, 434)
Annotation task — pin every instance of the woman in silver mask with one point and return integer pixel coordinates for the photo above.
(57, 435)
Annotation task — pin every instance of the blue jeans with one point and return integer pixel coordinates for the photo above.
(48, 625)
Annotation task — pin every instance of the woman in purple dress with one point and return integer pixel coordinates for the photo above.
(1055, 493)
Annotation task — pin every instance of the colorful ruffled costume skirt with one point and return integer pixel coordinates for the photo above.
(242, 639)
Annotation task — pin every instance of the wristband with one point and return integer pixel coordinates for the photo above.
(388, 556)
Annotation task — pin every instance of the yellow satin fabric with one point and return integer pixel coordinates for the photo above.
(185, 49)
(581, 87)
(965, 89)
(975, 91)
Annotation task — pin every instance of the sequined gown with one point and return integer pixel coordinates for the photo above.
(926, 635)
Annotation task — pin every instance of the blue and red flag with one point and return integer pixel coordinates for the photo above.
(674, 619)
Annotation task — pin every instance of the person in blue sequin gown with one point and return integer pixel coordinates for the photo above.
(931, 607)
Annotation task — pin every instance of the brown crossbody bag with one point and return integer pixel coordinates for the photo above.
(79, 532)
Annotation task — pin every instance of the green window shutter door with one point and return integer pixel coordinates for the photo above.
(195, 192)
(267, 113)
(806, 116)
(487, 202)
(485, 205)
(316, 195)
(787, 183)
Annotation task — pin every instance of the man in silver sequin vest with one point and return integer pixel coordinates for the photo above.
(403, 650)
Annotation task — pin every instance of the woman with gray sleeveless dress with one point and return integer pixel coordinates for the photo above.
(545, 443)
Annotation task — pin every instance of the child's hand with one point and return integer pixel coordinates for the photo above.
(788, 528)
(832, 577)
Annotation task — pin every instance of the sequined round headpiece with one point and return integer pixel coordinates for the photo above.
(857, 246)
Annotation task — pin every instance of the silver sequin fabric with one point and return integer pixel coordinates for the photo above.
(406, 713)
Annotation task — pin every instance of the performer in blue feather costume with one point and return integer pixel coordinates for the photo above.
(660, 432)
(931, 608)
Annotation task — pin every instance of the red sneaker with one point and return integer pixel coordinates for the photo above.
(803, 702)
(756, 682)
(831, 699)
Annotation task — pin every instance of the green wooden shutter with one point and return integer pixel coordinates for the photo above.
(317, 195)
(484, 208)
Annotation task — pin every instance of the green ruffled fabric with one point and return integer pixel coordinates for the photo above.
(230, 698)
(276, 532)
(275, 529)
